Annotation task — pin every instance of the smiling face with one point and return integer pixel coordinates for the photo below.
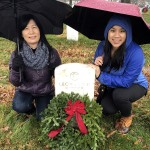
(116, 36)
(31, 34)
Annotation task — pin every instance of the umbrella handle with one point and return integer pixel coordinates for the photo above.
(20, 69)
(20, 74)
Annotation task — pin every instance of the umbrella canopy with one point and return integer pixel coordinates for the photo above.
(51, 14)
(90, 18)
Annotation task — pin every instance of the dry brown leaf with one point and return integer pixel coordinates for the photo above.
(5, 128)
(111, 133)
(8, 141)
(139, 140)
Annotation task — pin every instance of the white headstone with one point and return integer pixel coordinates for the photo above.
(72, 34)
(75, 77)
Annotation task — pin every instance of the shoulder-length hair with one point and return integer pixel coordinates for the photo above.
(23, 22)
(117, 60)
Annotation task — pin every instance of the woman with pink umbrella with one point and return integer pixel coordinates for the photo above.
(118, 59)
(118, 64)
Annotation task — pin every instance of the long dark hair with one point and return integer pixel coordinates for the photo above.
(22, 23)
(117, 60)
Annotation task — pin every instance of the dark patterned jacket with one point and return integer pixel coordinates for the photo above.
(37, 82)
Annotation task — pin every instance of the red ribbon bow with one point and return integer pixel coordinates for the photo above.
(76, 109)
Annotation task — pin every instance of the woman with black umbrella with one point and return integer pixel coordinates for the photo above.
(37, 60)
(118, 64)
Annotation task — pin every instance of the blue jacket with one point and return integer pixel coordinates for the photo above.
(129, 73)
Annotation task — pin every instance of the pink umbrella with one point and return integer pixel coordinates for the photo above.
(90, 17)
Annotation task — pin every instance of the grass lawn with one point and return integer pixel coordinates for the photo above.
(19, 133)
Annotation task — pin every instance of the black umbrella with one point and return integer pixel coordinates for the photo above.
(90, 17)
(51, 14)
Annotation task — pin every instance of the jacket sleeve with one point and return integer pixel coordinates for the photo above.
(132, 70)
(99, 50)
(14, 76)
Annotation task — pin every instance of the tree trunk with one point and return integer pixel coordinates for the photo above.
(70, 3)
(125, 1)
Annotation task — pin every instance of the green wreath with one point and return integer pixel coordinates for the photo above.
(70, 137)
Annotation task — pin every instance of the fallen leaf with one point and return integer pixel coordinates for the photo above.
(111, 133)
(139, 140)
(5, 128)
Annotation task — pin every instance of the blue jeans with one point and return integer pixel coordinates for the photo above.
(26, 103)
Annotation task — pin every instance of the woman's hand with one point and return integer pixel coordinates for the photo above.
(97, 70)
(17, 62)
(99, 60)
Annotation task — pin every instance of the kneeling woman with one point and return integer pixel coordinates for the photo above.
(118, 64)
(37, 60)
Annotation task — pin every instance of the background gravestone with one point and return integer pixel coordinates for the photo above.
(75, 77)
(72, 34)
